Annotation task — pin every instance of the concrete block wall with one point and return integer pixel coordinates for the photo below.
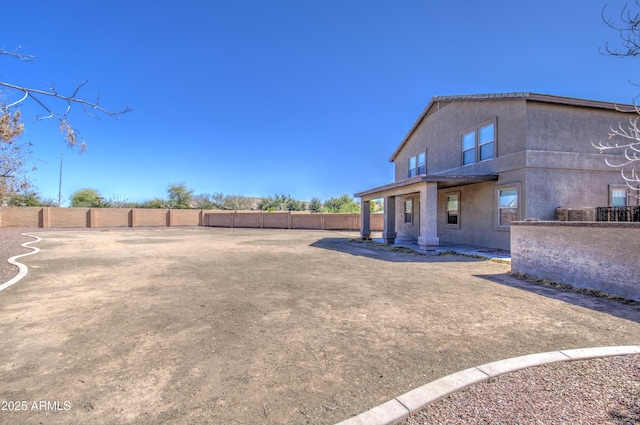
(276, 220)
(307, 221)
(289, 220)
(126, 217)
(601, 256)
(247, 219)
(21, 217)
(150, 217)
(185, 217)
(68, 217)
(111, 217)
(218, 219)
(342, 222)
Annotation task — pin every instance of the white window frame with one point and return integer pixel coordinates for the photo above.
(422, 164)
(446, 210)
(629, 201)
(413, 168)
(498, 209)
(477, 144)
(471, 134)
(408, 215)
(419, 167)
(482, 144)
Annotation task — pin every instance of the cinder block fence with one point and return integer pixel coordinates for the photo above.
(601, 256)
(49, 217)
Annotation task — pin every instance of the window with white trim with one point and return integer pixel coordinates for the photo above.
(619, 197)
(469, 148)
(408, 211)
(507, 206)
(453, 210)
(479, 145)
(418, 164)
(486, 142)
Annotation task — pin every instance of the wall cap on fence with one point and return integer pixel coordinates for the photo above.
(609, 224)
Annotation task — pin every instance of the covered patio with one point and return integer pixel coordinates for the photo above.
(425, 187)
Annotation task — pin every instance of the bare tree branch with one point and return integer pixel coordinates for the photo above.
(627, 149)
(91, 108)
(628, 29)
(624, 142)
(14, 155)
(15, 54)
(73, 98)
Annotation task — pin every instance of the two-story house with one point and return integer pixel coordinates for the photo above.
(472, 164)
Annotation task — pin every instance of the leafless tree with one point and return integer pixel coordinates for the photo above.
(628, 27)
(18, 95)
(118, 201)
(14, 154)
(624, 142)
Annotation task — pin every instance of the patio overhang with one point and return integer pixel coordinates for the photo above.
(413, 183)
(426, 186)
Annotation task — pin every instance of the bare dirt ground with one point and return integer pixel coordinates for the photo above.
(212, 326)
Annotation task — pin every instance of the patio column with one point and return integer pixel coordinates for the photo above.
(428, 215)
(365, 219)
(389, 233)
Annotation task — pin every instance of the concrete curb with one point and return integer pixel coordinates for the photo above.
(399, 408)
(23, 270)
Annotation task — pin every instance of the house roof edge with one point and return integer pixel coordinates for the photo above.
(563, 100)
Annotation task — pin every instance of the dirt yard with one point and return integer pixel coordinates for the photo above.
(224, 326)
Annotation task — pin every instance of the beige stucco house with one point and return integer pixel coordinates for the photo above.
(472, 164)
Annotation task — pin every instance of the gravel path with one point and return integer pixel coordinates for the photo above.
(598, 391)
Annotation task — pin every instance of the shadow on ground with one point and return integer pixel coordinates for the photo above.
(629, 310)
(384, 252)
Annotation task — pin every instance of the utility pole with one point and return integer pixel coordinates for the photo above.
(60, 185)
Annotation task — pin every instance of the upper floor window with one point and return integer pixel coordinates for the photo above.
(479, 145)
(469, 148)
(486, 141)
(418, 164)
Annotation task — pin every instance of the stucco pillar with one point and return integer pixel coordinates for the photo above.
(389, 232)
(365, 219)
(428, 215)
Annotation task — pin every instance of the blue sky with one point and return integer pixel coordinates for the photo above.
(306, 98)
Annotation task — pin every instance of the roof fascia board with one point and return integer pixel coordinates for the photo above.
(620, 107)
(415, 125)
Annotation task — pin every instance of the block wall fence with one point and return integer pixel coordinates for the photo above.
(50, 217)
(602, 256)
